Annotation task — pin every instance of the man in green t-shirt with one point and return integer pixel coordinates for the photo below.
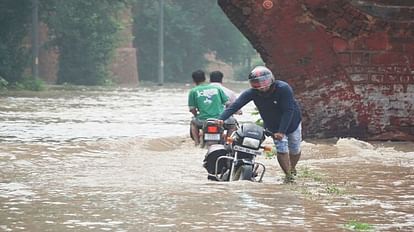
(204, 101)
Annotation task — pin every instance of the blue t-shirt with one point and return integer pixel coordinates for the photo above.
(278, 109)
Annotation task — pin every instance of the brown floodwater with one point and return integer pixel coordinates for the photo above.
(122, 160)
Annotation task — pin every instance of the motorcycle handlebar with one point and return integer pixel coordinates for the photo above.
(268, 133)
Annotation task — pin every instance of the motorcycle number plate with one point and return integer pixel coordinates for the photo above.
(215, 137)
(247, 150)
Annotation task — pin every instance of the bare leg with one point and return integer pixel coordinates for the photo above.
(195, 132)
(284, 162)
(293, 161)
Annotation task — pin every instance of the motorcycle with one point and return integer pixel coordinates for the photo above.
(235, 160)
(211, 133)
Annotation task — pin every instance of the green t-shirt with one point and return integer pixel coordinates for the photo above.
(208, 99)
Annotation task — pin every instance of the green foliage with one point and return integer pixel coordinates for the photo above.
(28, 83)
(358, 226)
(259, 121)
(220, 35)
(14, 23)
(192, 28)
(3, 83)
(241, 73)
(86, 34)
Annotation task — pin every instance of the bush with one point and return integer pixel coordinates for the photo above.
(14, 54)
(3, 83)
(28, 83)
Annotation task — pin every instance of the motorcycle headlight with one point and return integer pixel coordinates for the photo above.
(250, 142)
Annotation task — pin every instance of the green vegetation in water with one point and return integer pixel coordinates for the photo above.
(306, 192)
(318, 187)
(332, 189)
(358, 226)
(307, 173)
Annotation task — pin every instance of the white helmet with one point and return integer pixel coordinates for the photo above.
(260, 77)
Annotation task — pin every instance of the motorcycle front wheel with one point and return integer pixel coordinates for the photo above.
(246, 172)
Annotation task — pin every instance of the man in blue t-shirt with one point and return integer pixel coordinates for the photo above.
(280, 113)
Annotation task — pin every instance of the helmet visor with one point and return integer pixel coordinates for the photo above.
(261, 82)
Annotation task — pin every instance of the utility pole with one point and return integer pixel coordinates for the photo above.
(35, 39)
(161, 43)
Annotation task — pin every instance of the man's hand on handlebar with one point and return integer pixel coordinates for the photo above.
(278, 136)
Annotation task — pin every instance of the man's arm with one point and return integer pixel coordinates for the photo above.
(241, 101)
(288, 107)
(193, 111)
(192, 103)
(224, 98)
(232, 98)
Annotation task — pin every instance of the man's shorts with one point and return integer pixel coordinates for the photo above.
(199, 123)
(290, 143)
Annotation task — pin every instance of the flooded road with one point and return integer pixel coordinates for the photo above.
(122, 160)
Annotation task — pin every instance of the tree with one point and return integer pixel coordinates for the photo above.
(86, 34)
(14, 23)
(192, 28)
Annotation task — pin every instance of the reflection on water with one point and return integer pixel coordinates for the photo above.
(121, 160)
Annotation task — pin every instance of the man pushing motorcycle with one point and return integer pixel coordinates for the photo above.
(280, 113)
